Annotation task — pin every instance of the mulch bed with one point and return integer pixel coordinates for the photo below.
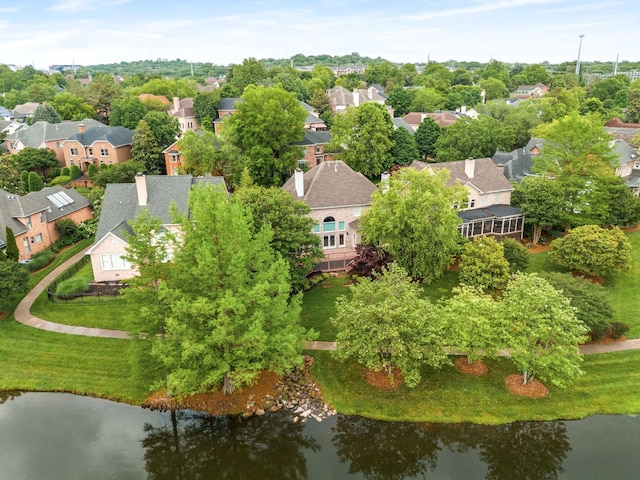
(110, 289)
(383, 381)
(476, 367)
(534, 389)
(217, 403)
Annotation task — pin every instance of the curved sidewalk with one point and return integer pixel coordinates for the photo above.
(23, 315)
(23, 311)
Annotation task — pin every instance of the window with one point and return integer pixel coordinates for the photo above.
(341, 225)
(316, 228)
(329, 241)
(58, 144)
(472, 203)
(27, 247)
(42, 218)
(113, 261)
(357, 211)
(74, 151)
(318, 149)
(104, 152)
(38, 238)
(174, 158)
(329, 224)
(89, 151)
(71, 163)
(29, 225)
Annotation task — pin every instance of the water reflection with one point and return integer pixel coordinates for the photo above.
(194, 447)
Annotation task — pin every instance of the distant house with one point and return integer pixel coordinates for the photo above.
(5, 114)
(122, 203)
(622, 130)
(173, 160)
(46, 135)
(518, 163)
(314, 143)
(183, 111)
(32, 217)
(524, 92)
(442, 118)
(340, 98)
(337, 196)
(228, 106)
(488, 211)
(97, 146)
(26, 110)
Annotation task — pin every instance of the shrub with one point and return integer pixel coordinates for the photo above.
(589, 299)
(40, 260)
(516, 254)
(482, 265)
(72, 286)
(75, 172)
(68, 231)
(60, 180)
(369, 260)
(64, 171)
(91, 170)
(617, 329)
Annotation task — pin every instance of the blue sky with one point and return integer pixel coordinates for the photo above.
(88, 32)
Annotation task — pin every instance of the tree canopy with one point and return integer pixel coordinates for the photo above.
(483, 265)
(386, 323)
(363, 138)
(145, 150)
(14, 281)
(468, 138)
(266, 127)
(414, 219)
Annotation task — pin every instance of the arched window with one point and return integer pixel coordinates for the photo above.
(329, 224)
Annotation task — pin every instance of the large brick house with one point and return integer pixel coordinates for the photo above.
(337, 196)
(32, 217)
(98, 146)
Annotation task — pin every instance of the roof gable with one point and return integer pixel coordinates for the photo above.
(487, 176)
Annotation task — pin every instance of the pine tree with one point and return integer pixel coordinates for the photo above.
(145, 150)
(12, 248)
(34, 182)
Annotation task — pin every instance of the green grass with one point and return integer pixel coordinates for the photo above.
(319, 305)
(36, 360)
(611, 385)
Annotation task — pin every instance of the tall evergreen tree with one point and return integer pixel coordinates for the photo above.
(12, 247)
(426, 137)
(34, 182)
(404, 150)
(145, 150)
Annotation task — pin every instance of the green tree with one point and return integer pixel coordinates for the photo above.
(35, 183)
(468, 138)
(266, 127)
(46, 113)
(404, 150)
(205, 108)
(590, 301)
(101, 91)
(146, 151)
(39, 159)
(426, 137)
(127, 112)
(165, 128)
(228, 310)
(427, 100)
(250, 72)
(593, 250)
(362, 136)
(483, 265)
(288, 219)
(387, 323)
(543, 331)
(400, 100)
(516, 255)
(414, 219)
(542, 203)
(75, 172)
(124, 172)
(623, 207)
(11, 250)
(14, 282)
(381, 72)
(474, 323)
(72, 107)
(632, 113)
(10, 175)
(494, 89)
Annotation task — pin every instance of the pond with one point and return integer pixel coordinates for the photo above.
(61, 436)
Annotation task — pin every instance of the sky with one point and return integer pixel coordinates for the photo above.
(90, 32)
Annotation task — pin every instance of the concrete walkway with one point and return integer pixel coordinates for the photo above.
(23, 310)
(23, 315)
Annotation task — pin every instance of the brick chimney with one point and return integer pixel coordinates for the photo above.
(141, 188)
(470, 167)
(81, 128)
(176, 104)
(299, 182)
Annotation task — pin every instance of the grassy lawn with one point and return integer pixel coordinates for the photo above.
(32, 359)
(611, 385)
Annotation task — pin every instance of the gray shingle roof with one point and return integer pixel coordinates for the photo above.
(333, 184)
(40, 132)
(314, 138)
(487, 177)
(121, 204)
(228, 103)
(116, 136)
(14, 206)
(399, 122)
(517, 164)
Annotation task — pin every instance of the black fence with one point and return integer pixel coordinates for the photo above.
(106, 292)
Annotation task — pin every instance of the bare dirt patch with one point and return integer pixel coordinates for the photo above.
(476, 367)
(533, 389)
(383, 381)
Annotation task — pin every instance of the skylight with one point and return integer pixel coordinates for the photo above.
(60, 199)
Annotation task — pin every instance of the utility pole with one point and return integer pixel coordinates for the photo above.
(579, 50)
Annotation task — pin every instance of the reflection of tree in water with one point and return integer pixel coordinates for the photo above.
(195, 447)
(385, 450)
(9, 395)
(525, 450)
